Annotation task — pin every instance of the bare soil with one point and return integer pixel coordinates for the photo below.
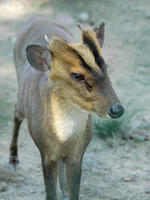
(113, 169)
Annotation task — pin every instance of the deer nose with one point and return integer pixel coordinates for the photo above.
(116, 110)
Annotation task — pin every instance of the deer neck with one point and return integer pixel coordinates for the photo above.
(68, 120)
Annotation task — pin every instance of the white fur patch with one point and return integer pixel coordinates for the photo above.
(70, 124)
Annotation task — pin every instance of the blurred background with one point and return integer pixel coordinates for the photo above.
(127, 52)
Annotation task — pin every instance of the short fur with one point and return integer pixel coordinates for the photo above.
(57, 108)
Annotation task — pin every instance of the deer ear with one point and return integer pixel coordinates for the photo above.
(99, 31)
(39, 57)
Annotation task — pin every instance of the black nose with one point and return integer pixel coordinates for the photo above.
(116, 111)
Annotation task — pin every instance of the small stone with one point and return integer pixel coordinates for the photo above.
(92, 23)
(84, 17)
(147, 192)
(126, 179)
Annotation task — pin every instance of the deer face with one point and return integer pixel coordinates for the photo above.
(79, 72)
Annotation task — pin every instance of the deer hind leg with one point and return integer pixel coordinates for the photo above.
(50, 178)
(13, 159)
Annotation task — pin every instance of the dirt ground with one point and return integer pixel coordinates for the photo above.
(113, 169)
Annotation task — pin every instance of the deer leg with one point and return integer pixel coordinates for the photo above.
(50, 179)
(13, 159)
(73, 180)
(62, 180)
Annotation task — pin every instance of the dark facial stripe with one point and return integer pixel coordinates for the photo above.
(98, 59)
(87, 67)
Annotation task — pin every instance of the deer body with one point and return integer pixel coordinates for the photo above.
(56, 96)
(55, 126)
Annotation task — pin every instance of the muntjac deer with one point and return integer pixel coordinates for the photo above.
(61, 83)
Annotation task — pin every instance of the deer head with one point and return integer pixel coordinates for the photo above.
(79, 72)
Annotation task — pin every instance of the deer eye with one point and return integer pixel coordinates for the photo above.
(77, 77)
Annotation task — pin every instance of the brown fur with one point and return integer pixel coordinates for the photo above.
(57, 108)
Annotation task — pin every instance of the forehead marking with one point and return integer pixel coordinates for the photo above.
(87, 67)
(93, 48)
